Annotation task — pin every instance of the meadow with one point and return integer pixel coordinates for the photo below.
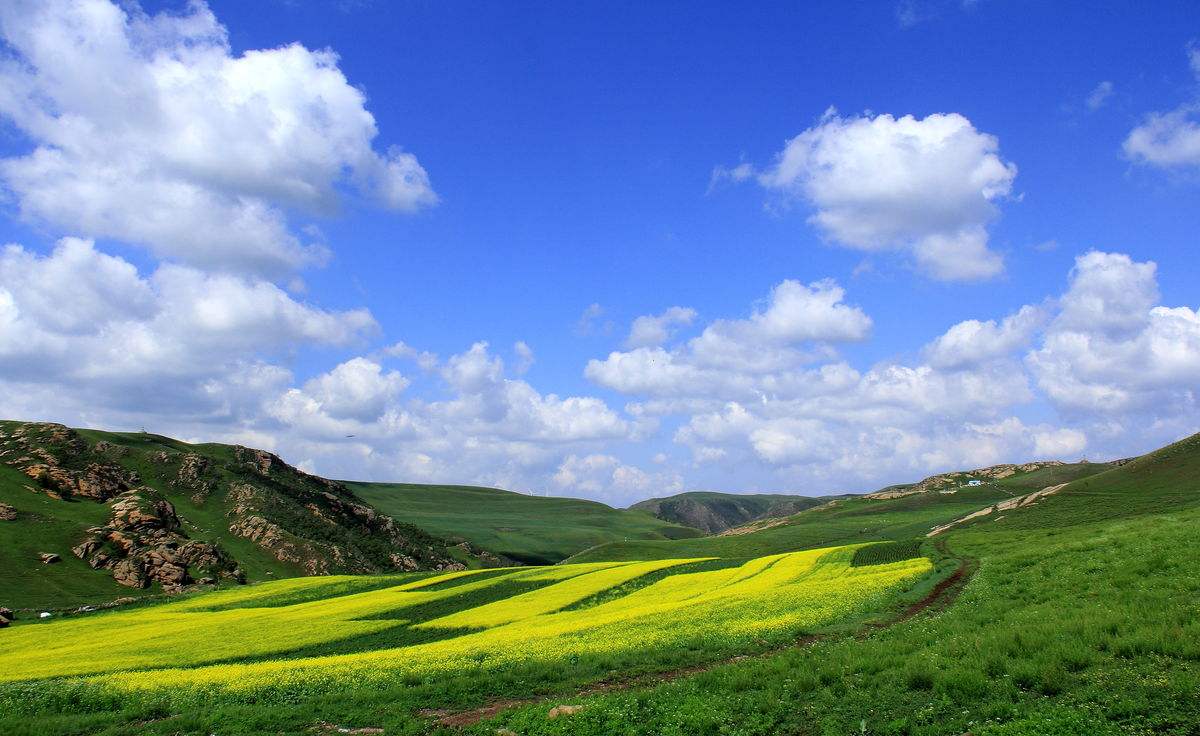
(535, 530)
(488, 633)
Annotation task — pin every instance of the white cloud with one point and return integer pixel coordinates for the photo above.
(606, 477)
(426, 360)
(589, 322)
(651, 330)
(150, 130)
(741, 357)
(1059, 444)
(1169, 139)
(928, 185)
(357, 389)
(1113, 354)
(971, 341)
(1100, 95)
(524, 355)
(176, 341)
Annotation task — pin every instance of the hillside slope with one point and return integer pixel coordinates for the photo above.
(532, 529)
(896, 513)
(1080, 621)
(134, 513)
(714, 512)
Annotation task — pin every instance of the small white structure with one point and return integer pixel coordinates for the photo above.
(974, 482)
(45, 614)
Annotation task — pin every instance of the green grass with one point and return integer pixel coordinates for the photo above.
(531, 529)
(47, 525)
(1050, 476)
(417, 644)
(883, 552)
(1081, 620)
(283, 496)
(847, 521)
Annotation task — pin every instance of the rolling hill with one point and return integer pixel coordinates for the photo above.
(1072, 615)
(897, 512)
(531, 529)
(714, 512)
(127, 514)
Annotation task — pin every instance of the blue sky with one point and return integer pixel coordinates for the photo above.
(588, 155)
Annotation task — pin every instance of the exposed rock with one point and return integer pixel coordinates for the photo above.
(6, 614)
(49, 558)
(142, 543)
(99, 482)
(3, 623)
(191, 477)
(564, 710)
(7, 513)
(960, 478)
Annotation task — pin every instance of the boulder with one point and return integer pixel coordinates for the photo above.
(6, 614)
(564, 710)
(7, 513)
(49, 558)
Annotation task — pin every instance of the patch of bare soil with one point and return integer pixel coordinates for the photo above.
(1015, 502)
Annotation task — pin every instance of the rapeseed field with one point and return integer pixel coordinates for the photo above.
(283, 641)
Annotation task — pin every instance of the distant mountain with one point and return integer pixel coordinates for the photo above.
(715, 512)
(86, 516)
(532, 529)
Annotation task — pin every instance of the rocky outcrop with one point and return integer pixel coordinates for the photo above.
(7, 513)
(1016, 502)
(960, 478)
(313, 533)
(143, 543)
(48, 558)
(315, 525)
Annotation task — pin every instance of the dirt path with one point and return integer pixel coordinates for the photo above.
(942, 595)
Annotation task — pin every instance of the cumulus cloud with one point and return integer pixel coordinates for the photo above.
(1113, 354)
(928, 185)
(149, 129)
(740, 356)
(178, 340)
(1169, 139)
(649, 330)
(971, 341)
(606, 477)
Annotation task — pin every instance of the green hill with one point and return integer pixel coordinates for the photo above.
(892, 514)
(531, 529)
(1071, 615)
(134, 514)
(714, 512)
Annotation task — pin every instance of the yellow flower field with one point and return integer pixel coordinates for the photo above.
(244, 642)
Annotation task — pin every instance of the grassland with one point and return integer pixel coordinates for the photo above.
(1081, 620)
(462, 634)
(531, 529)
(846, 521)
(305, 524)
